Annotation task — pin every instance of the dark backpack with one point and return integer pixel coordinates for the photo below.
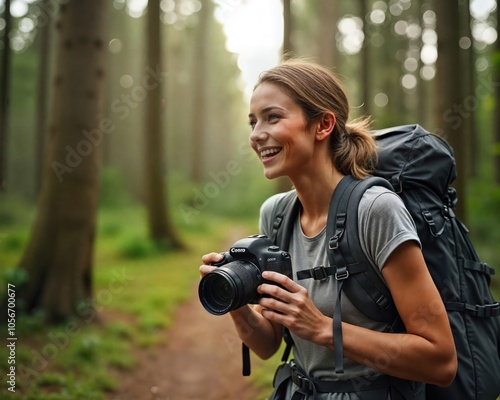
(420, 167)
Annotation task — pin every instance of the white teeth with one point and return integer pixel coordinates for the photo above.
(269, 152)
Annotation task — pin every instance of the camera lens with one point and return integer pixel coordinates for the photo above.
(222, 291)
(229, 287)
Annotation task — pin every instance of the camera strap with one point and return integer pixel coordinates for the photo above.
(245, 354)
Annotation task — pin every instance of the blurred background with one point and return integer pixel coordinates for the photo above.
(124, 155)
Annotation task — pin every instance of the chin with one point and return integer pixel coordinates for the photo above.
(269, 174)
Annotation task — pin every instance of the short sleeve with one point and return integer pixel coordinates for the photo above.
(266, 210)
(384, 223)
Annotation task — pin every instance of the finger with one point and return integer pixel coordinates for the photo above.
(211, 257)
(281, 279)
(274, 291)
(274, 316)
(274, 304)
(205, 269)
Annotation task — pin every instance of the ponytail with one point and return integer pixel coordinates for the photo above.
(354, 149)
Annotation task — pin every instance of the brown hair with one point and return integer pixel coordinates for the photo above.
(317, 91)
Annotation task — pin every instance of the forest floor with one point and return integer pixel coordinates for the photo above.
(199, 360)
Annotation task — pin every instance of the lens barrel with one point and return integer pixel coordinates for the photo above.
(229, 287)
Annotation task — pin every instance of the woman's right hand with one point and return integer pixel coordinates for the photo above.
(208, 259)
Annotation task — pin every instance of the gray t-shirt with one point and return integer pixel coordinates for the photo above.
(384, 223)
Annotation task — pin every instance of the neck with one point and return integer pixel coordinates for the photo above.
(315, 192)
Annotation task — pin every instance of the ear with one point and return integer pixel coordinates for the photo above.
(325, 126)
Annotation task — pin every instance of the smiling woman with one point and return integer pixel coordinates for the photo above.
(300, 129)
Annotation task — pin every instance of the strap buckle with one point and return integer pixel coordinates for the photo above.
(301, 381)
(488, 310)
(319, 273)
(341, 274)
(333, 243)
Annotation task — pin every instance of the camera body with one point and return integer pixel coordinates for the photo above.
(234, 283)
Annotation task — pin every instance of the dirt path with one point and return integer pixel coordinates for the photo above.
(201, 360)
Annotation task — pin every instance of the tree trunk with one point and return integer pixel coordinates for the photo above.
(423, 97)
(287, 50)
(44, 39)
(199, 126)
(160, 227)
(58, 258)
(283, 183)
(449, 97)
(496, 113)
(468, 62)
(365, 62)
(327, 28)
(4, 95)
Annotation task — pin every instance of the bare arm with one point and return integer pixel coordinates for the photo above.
(425, 353)
(258, 333)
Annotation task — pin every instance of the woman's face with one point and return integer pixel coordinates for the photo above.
(280, 135)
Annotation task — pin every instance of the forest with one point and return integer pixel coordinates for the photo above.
(124, 157)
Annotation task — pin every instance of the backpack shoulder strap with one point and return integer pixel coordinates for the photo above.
(366, 290)
(283, 217)
(352, 271)
(284, 213)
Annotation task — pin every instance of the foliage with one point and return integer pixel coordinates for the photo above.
(113, 192)
(13, 210)
(237, 195)
(484, 214)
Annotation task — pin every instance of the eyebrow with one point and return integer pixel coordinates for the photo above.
(266, 110)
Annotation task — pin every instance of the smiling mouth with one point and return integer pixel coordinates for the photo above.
(269, 153)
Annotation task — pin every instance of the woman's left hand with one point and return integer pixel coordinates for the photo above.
(292, 307)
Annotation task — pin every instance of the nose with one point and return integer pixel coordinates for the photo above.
(258, 134)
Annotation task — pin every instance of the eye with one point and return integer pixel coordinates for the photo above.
(273, 118)
(252, 123)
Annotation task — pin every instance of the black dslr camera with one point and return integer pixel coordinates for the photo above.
(235, 282)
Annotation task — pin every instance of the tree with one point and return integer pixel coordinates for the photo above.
(327, 28)
(287, 49)
(449, 91)
(423, 85)
(160, 227)
(365, 64)
(4, 94)
(496, 124)
(199, 126)
(58, 257)
(44, 39)
(469, 79)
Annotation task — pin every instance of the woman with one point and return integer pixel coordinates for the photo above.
(298, 115)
